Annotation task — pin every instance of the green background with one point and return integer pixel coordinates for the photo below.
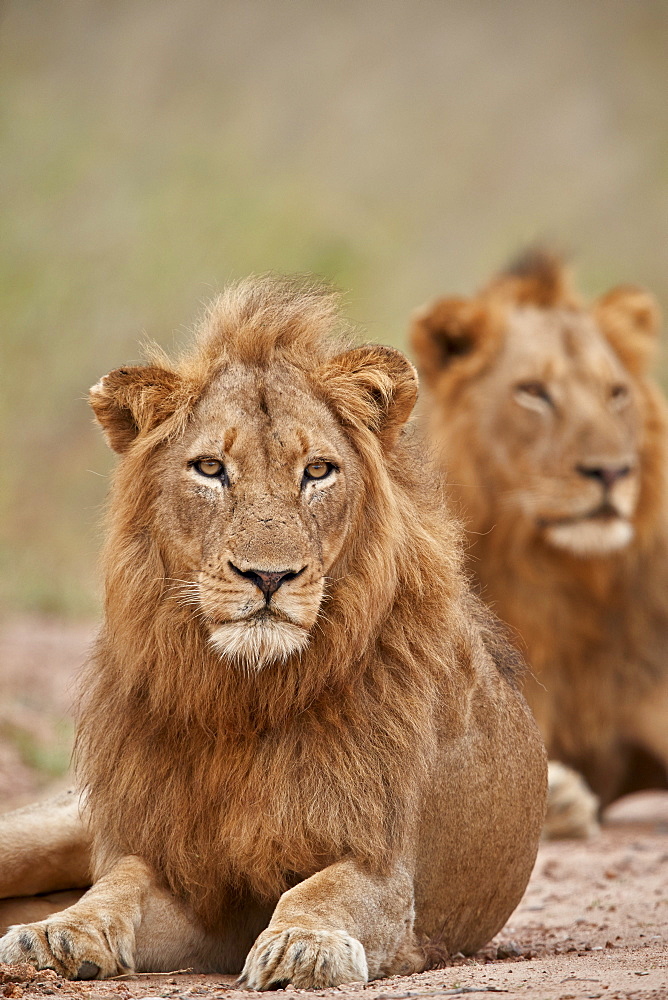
(152, 150)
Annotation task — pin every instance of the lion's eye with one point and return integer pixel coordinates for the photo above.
(209, 467)
(619, 393)
(535, 390)
(317, 470)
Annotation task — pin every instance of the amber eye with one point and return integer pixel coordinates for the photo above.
(318, 470)
(209, 467)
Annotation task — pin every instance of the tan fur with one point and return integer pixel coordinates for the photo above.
(346, 770)
(585, 589)
(28, 909)
(44, 848)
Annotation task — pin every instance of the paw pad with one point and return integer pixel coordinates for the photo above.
(88, 970)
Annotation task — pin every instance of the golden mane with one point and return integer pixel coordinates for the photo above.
(260, 316)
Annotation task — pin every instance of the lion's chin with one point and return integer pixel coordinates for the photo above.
(256, 642)
(592, 536)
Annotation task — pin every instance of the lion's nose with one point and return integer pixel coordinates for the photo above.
(267, 581)
(606, 474)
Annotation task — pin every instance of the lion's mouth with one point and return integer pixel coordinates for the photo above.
(269, 615)
(604, 513)
(599, 532)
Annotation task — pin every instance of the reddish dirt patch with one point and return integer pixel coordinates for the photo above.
(593, 922)
(40, 659)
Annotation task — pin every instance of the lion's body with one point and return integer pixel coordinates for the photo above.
(553, 439)
(349, 752)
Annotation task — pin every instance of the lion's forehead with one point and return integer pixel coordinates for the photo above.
(245, 413)
(561, 345)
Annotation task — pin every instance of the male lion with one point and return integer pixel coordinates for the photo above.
(302, 749)
(553, 436)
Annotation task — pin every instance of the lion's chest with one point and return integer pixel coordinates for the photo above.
(269, 812)
(275, 813)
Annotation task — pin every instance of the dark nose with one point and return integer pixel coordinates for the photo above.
(268, 582)
(606, 474)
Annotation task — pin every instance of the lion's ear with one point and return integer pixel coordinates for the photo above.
(630, 318)
(373, 386)
(444, 331)
(130, 401)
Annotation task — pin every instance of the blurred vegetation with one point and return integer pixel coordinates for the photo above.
(45, 753)
(153, 149)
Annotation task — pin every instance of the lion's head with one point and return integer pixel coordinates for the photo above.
(542, 405)
(237, 461)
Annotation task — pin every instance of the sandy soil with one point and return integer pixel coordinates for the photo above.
(39, 662)
(593, 922)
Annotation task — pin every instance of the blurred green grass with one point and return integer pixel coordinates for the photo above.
(46, 754)
(154, 150)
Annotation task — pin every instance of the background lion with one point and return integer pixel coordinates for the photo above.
(301, 745)
(553, 436)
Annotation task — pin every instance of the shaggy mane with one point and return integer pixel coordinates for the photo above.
(259, 317)
(538, 276)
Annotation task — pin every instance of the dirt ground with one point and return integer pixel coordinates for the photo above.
(593, 922)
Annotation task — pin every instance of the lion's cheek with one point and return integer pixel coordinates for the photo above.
(331, 524)
(186, 524)
(301, 605)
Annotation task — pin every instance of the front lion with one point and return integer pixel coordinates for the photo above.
(301, 761)
(553, 436)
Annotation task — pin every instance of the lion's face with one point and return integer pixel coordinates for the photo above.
(256, 498)
(536, 410)
(560, 417)
(247, 467)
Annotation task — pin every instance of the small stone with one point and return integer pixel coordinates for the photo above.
(510, 949)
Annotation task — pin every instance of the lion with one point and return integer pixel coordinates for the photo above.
(302, 749)
(553, 434)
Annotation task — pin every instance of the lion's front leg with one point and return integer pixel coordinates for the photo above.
(341, 925)
(127, 922)
(96, 937)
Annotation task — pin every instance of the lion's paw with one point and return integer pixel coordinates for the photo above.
(75, 947)
(309, 959)
(572, 808)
